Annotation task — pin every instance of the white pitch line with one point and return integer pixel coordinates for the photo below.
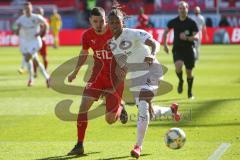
(219, 151)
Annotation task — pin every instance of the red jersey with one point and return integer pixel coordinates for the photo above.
(102, 53)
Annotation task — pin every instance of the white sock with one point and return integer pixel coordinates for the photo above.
(143, 121)
(162, 111)
(42, 69)
(30, 69)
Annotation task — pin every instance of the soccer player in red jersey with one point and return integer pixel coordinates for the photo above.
(103, 76)
(43, 50)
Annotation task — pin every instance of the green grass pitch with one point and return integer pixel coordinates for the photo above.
(29, 128)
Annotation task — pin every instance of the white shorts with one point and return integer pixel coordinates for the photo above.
(30, 47)
(147, 81)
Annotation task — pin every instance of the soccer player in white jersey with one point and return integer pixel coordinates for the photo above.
(134, 51)
(28, 27)
(200, 21)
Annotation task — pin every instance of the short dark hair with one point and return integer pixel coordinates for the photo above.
(97, 11)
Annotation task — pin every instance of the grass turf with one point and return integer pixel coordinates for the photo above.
(29, 128)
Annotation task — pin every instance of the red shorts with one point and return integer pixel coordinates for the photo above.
(95, 88)
(43, 50)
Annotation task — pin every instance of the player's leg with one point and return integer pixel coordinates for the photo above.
(91, 93)
(179, 73)
(82, 122)
(43, 53)
(145, 97)
(189, 64)
(56, 38)
(197, 49)
(23, 51)
(166, 111)
(42, 69)
(190, 79)
(23, 66)
(115, 108)
(29, 63)
(178, 62)
(35, 65)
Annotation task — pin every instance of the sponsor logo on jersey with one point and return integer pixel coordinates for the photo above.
(187, 32)
(103, 54)
(93, 41)
(124, 45)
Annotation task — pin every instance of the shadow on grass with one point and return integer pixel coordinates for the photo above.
(199, 110)
(170, 100)
(123, 157)
(13, 89)
(65, 157)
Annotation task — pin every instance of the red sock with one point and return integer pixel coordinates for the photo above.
(35, 65)
(82, 126)
(45, 63)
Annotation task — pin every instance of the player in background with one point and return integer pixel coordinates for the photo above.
(102, 77)
(130, 48)
(43, 50)
(28, 28)
(200, 21)
(23, 66)
(143, 20)
(55, 25)
(185, 33)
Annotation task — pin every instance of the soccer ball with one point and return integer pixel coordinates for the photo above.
(175, 138)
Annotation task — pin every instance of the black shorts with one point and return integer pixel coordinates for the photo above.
(184, 54)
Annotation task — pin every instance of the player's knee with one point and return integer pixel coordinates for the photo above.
(110, 119)
(143, 108)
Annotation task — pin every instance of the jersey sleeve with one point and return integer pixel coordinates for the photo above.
(85, 41)
(170, 24)
(41, 19)
(194, 27)
(141, 35)
(203, 21)
(18, 21)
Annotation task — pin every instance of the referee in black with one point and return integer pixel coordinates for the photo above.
(185, 30)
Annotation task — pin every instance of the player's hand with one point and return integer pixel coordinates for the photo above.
(149, 59)
(183, 36)
(166, 49)
(71, 77)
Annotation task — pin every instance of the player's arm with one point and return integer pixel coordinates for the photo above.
(121, 72)
(204, 30)
(166, 31)
(17, 30)
(154, 45)
(43, 22)
(81, 60)
(194, 37)
(46, 26)
(17, 24)
(60, 22)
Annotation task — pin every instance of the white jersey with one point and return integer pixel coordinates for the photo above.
(131, 44)
(200, 21)
(130, 49)
(29, 26)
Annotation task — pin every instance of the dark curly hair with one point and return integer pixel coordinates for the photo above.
(117, 11)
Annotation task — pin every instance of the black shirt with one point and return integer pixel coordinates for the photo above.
(188, 26)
